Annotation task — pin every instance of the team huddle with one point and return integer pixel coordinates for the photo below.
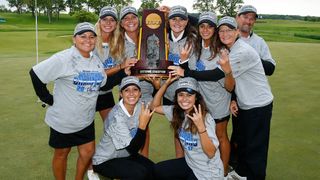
(220, 69)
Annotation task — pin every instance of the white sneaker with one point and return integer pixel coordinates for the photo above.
(233, 175)
(92, 175)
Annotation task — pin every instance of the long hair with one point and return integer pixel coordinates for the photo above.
(117, 49)
(191, 34)
(213, 47)
(179, 115)
(99, 41)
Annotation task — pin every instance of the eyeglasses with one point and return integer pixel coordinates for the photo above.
(226, 31)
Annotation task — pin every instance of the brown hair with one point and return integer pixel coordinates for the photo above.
(179, 116)
(213, 44)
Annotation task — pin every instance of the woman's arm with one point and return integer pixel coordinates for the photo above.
(224, 62)
(139, 139)
(41, 89)
(156, 102)
(129, 62)
(207, 145)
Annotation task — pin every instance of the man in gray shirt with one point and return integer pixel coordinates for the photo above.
(246, 18)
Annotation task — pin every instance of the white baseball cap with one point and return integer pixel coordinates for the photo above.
(108, 11)
(229, 21)
(84, 27)
(178, 11)
(129, 80)
(247, 9)
(187, 84)
(127, 10)
(208, 17)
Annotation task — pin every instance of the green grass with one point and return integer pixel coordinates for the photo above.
(286, 31)
(294, 141)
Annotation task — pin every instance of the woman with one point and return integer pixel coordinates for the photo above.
(195, 128)
(129, 27)
(117, 154)
(107, 50)
(254, 99)
(78, 75)
(214, 87)
(182, 38)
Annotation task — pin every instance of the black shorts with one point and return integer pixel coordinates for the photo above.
(60, 140)
(222, 119)
(105, 101)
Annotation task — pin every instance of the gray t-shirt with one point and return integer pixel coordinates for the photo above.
(77, 81)
(174, 56)
(260, 46)
(197, 160)
(106, 59)
(252, 87)
(146, 87)
(217, 98)
(119, 129)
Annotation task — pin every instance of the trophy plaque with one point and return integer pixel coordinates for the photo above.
(152, 51)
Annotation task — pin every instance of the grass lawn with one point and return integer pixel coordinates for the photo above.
(24, 151)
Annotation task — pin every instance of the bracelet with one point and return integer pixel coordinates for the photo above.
(202, 132)
(228, 74)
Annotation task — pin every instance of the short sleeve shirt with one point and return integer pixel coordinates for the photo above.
(77, 81)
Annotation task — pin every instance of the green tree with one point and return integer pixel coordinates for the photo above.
(74, 6)
(17, 4)
(204, 5)
(149, 4)
(30, 5)
(229, 7)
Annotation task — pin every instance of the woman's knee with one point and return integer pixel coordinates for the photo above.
(86, 150)
(61, 153)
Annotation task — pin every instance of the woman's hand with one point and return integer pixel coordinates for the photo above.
(197, 118)
(185, 52)
(176, 71)
(156, 82)
(129, 62)
(224, 61)
(145, 116)
(234, 108)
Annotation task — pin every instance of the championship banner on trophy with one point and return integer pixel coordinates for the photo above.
(152, 51)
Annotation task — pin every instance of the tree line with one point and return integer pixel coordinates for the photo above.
(53, 8)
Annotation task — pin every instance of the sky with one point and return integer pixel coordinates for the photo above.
(283, 7)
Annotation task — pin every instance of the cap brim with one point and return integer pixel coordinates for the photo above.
(103, 16)
(207, 21)
(130, 84)
(246, 12)
(129, 13)
(179, 15)
(229, 25)
(188, 90)
(83, 31)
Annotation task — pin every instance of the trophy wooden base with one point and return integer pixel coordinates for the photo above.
(161, 70)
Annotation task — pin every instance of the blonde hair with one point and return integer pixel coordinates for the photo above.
(113, 44)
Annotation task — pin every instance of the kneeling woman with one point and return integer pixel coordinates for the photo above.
(117, 154)
(195, 128)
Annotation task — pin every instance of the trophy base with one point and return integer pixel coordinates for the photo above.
(160, 70)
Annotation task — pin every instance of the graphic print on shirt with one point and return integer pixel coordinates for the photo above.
(133, 132)
(200, 66)
(108, 63)
(174, 58)
(187, 140)
(88, 81)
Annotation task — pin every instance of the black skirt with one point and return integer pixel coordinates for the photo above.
(60, 140)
